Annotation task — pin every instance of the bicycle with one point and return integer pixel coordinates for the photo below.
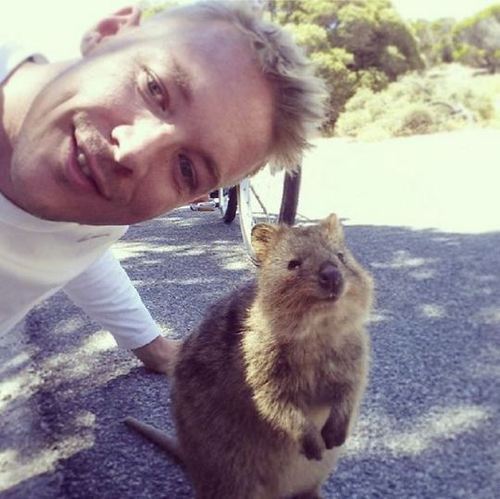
(253, 206)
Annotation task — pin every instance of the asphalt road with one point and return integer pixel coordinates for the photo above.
(423, 219)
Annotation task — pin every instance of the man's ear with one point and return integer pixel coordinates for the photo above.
(111, 25)
(262, 235)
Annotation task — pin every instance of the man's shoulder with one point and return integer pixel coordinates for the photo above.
(12, 54)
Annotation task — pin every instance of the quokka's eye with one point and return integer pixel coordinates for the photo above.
(341, 256)
(294, 264)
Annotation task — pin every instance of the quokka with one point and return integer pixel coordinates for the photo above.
(267, 388)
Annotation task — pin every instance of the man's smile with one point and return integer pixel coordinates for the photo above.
(87, 168)
(78, 171)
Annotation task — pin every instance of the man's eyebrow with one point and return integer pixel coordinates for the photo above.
(211, 167)
(182, 81)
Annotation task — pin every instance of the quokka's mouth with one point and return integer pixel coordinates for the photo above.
(327, 299)
(331, 298)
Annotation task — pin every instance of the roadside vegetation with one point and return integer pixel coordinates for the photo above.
(443, 98)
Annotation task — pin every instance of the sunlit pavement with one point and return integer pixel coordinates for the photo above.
(448, 181)
(421, 213)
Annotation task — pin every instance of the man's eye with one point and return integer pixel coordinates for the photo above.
(187, 170)
(156, 90)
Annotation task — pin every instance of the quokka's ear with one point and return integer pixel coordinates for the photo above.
(332, 226)
(262, 235)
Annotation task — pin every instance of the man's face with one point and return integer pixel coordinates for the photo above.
(147, 122)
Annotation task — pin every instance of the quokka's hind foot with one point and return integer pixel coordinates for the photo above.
(158, 437)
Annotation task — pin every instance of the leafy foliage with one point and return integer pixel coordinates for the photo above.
(435, 40)
(355, 43)
(439, 100)
(477, 40)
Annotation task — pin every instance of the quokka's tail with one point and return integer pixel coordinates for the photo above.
(167, 443)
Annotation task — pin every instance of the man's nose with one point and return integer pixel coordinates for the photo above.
(139, 144)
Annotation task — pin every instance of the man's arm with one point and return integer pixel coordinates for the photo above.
(105, 292)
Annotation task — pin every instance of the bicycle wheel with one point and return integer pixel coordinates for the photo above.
(266, 200)
(228, 201)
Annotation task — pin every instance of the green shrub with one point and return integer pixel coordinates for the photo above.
(441, 99)
(416, 120)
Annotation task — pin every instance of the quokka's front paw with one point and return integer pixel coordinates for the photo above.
(334, 436)
(312, 444)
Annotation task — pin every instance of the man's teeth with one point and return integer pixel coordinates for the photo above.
(82, 161)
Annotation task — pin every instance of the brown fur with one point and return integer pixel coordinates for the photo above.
(267, 388)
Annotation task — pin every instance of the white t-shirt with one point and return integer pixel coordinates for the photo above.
(39, 257)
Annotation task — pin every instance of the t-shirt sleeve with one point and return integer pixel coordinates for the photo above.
(12, 55)
(104, 291)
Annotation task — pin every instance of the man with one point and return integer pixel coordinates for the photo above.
(150, 118)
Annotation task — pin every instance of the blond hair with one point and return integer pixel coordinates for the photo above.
(299, 95)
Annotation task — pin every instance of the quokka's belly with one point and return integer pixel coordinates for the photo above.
(300, 474)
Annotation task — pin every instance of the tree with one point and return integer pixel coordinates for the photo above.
(435, 40)
(477, 40)
(355, 43)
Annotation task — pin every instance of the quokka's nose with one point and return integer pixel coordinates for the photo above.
(330, 278)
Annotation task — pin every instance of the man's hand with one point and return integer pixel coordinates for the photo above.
(160, 355)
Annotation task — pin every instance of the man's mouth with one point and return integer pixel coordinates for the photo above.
(88, 167)
(82, 163)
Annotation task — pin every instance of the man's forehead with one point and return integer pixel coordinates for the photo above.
(196, 31)
(216, 42)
